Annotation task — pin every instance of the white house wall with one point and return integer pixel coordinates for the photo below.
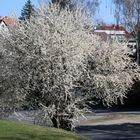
(110, 32)
(3, 27)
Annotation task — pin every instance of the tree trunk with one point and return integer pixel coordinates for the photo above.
(62, 121)
(55, 122)
(138, 47)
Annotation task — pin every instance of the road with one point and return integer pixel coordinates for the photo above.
(111, 126)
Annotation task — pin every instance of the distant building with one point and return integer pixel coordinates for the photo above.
(113, 32)
(6, 22)
(118, 33)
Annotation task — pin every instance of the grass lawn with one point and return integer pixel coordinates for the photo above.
(18, 131)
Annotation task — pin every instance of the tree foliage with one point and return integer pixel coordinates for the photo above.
(128, 13)
(90, 5)
(55, 64)
(63, 3)
(27, 11)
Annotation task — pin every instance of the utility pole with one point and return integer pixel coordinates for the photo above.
(138, 34)
(138, 45)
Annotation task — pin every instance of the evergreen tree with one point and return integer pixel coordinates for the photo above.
(63, 3)
(90, 5)
(27, 10)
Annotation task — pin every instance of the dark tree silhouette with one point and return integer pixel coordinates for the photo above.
(63, 3)
(27, 11)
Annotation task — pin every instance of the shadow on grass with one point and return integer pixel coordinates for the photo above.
(126, 131)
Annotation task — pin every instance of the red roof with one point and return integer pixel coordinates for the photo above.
(113, 27)
(129, 35)
(8, 21)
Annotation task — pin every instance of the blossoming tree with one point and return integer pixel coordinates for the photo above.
(55, 64)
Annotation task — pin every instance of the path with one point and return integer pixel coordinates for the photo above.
(111, 126)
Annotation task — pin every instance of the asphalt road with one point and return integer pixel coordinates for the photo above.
(111, 126)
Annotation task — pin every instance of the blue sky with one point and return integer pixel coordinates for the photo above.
(8, 7)
(105, 12)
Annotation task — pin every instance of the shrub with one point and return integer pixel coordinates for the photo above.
(55, 64)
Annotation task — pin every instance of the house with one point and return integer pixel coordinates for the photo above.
(113, 32)
(117, 33)
(6, 22)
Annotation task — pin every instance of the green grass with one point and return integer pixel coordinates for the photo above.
(18, 131)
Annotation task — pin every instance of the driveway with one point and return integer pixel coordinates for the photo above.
(111, 126)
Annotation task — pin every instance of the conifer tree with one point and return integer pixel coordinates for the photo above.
(27, 10)
(63, 3)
